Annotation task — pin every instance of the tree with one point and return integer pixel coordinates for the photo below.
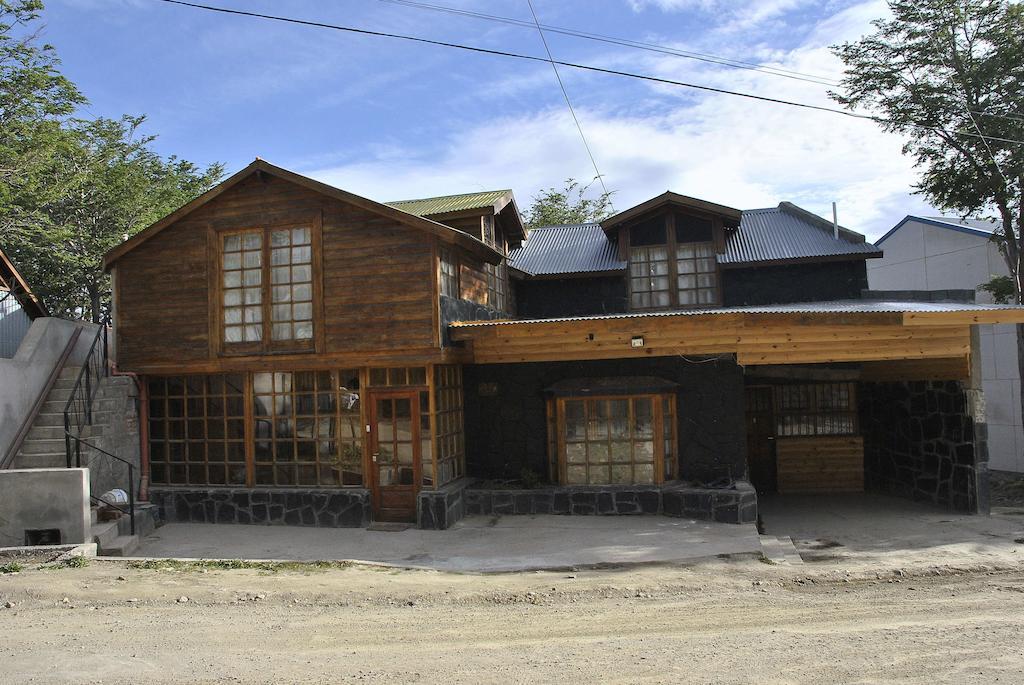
(570, 205)
(71, 189)
(948, 75)
(113, 185)
(35, 102)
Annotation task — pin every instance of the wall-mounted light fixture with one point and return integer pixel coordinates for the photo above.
(636, 341)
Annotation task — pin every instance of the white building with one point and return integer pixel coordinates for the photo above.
(937, 253)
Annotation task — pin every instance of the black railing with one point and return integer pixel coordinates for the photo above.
(130, 491)
(78, 413)
(78, 410)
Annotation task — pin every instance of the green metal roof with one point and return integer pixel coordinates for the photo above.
(430, 206)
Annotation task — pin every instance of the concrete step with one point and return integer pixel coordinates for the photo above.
(104, 532)
(42, 446)
(41, 461)
(121, 546)
(780, 550)
(52, 418)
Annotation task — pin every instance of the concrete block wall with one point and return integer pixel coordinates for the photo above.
(43, 499)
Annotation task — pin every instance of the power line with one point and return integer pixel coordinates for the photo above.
(554, 67)
(641, 45)
(583, 67)
(663, 49)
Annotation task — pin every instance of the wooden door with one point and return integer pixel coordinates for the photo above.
(761, 439)
(395, 454)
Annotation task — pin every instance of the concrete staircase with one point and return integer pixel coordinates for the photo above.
(44, 444)
(44, 447)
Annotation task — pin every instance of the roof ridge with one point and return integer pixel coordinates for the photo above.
(583, 225)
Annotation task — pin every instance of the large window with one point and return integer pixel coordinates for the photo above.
(267, 289)
(243, 287)
(291, 275)
(615, 440)
(497, 286)
(307, 428)
(672, 263)
(197, 430)
(449, 273)
(449, 423)
(815, 409)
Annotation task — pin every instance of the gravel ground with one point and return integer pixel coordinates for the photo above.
(727, 621)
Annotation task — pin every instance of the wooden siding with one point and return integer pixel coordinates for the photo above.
(755, 339)
(378, 281)
(820, 464)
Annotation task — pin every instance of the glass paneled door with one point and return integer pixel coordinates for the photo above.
(395, 450)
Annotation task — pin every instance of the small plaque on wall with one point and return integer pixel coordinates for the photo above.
(487, 390)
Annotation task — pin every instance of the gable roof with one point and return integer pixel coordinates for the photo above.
(668, 197)
(568, 249)
(777, 235)
(789, 233)
(446, 233)
(448, 206)
(12, 280)
(978, 227)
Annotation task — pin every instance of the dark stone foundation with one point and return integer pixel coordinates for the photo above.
(442, 508)
(923, 440)
(725, 505)
(347, 508)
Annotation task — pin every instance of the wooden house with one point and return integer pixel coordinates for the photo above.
(314, 357)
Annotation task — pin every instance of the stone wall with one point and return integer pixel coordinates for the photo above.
(506, 427)
(925, 440)
(343, 508)
(442, 508)
(725, 505)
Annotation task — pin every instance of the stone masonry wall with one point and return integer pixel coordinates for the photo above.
(922, 441)
(348, 508)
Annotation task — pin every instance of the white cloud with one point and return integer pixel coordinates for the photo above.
(722, 148)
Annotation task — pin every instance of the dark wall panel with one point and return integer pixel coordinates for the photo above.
(842, 280)
(506, 429)
(571, 297)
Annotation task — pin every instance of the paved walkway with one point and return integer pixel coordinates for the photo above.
(475, 544)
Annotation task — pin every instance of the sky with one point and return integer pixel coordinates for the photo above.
(390, 119)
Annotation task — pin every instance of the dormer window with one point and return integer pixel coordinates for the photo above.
(672, 262)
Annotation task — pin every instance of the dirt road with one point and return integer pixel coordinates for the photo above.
(729, 621)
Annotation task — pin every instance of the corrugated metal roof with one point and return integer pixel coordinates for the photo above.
(429, 206)
(777, 234)
(830, 307)
(784, 233)
(571, 249)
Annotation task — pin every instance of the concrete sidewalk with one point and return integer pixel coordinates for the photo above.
(475, 544)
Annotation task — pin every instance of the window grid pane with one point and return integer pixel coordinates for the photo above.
(242, 276)
(197, 430)
(612, 440)
(697, 277)
(291, 277)
(448, 420)
(649, 277)
(308, 428)
(449, 274)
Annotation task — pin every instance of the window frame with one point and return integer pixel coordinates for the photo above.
(446, 255)
(266, 345)
(816, 413)
(659, 434)
(671, 247)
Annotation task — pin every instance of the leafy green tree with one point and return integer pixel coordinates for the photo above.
(570, 205)
(71, 189)
(948, 75)
(113, 185)
(35, 102)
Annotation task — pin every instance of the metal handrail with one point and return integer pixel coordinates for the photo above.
(79, 406)
(131, 477)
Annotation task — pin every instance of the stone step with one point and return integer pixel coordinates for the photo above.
(121, 546)
(789, 550)
(780, 550)
(52, 460)
(104, 532)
